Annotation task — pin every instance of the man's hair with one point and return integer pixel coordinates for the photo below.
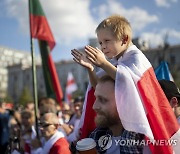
(118, 25)
(106, 78)
(46, 100)
(170, 89)
(53, 117)
(28, 113)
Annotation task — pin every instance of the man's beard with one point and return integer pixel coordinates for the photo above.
(106, 120)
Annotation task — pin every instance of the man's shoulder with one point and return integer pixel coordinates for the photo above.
(61, 141)
(126, 136)
(60, 146)
(100, 131)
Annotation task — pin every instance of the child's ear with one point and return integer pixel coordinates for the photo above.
(125, 39)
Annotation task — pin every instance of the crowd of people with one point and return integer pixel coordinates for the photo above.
(57, 127)
(128, 99)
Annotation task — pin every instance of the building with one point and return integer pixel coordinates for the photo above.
(10, 57)
(20, 75)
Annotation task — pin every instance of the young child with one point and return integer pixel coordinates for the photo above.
(136, 86)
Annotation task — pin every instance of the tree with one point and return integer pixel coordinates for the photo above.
(25, 96)
(8, 98)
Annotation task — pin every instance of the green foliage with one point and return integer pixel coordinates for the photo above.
(25, 97)
(8, 99)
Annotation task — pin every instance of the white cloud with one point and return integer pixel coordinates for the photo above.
(72, 22)
(68, 19)
(165, 3)
(139, 18)
(157, 39)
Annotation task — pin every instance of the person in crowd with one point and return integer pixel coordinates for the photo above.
(55, 142)
(4, 128)
(28, 131)
(75, 119)
(108, 122)
(29, 105)
(136, 85)
(47, 108)
(48, 105)
(66, 112)
(15, 132)
(46, 100)
(172, 93)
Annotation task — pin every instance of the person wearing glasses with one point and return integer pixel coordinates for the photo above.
(55, 141)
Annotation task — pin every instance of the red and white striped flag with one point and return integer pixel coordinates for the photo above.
(71, 87)
(141, 103)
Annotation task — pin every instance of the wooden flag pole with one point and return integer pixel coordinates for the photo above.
(34, 78)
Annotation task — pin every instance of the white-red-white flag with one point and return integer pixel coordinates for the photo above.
(71, 87)
(141, 104)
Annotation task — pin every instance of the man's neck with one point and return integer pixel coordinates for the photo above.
(117, 129)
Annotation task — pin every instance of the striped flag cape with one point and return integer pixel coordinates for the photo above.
(142, 106)
(40, 29)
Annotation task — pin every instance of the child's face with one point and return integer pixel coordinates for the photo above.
(110, 46)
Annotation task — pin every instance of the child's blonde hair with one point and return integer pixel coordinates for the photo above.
(118, 25)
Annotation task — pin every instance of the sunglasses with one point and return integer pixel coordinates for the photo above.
(44, 125)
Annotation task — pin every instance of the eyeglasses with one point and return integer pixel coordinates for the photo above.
(44, 125)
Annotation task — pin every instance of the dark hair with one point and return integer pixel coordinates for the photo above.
(78, 99)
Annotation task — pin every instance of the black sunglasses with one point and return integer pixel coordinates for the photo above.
(44, 125)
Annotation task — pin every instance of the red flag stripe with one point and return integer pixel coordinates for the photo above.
(40, 30)
(55, 80)
(89, 124)
(162, 122)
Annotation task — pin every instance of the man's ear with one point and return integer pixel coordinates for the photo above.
(174, 102)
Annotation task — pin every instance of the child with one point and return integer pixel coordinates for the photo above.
(136, 86)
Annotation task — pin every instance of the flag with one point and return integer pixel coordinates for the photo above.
(162, 72)
(141, 103)
(40, 29)
(71, 87)
(87, 124)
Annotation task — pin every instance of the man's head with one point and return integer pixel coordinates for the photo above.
(78, 104)
(48, 125)
(105, 104)
(47, 108)
(46, 100)
(172, 93)
(27, 118)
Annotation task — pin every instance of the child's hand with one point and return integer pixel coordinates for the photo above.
(95, 55)
(81, 58)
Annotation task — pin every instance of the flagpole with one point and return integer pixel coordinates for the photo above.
(34, 78)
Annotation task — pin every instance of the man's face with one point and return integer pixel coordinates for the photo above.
(105, 105)
(47, 127)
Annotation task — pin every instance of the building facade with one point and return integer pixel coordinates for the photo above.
(20, 75)
(10, 57)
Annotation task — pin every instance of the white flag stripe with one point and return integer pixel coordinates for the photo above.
(71, 86)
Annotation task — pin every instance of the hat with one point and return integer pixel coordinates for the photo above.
(170, 89)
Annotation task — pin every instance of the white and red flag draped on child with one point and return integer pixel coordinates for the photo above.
(141, 103)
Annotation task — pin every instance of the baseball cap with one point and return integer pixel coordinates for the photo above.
(170, 89)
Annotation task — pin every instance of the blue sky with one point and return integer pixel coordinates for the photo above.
(73, 22)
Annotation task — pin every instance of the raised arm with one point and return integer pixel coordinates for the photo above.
(97, 57)
(81, 58)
